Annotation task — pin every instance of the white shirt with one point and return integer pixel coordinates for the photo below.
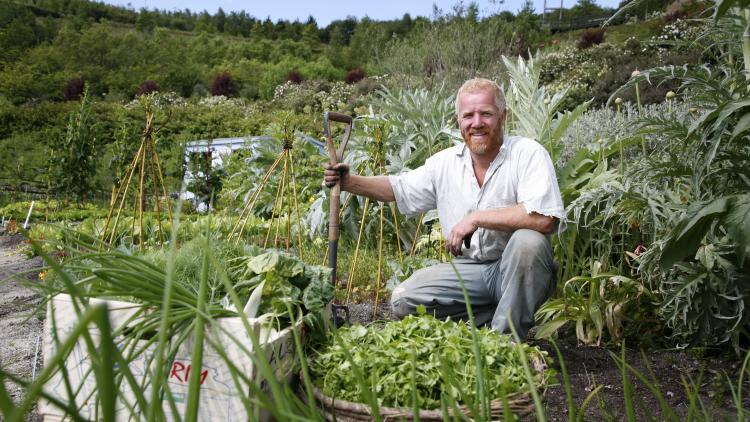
(522, 173)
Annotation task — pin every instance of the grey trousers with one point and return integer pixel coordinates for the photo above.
(501, 292)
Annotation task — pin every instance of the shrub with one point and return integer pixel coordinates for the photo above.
(147, 87)
(591, 36)
(671, 16)
(354, 76)
(294, 77)
(223, 84)
(73, 89)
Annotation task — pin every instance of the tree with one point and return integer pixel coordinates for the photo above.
(340, 31)
(145, 20)
(74, 155)
(207, 180)
(223, 84)
(221, 19)
(585, 8)
(294, 77)
(73, 89)
(148, 86)
(354, 76)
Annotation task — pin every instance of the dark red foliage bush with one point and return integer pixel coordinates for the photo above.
(591, 36)
(671, 16)
(147, 87)
(355, 75)
(223, 84)
(73, 89)
(294, 77)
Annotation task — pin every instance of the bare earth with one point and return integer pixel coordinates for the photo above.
(20, 328)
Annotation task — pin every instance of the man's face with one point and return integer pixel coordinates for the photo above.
(481, 122)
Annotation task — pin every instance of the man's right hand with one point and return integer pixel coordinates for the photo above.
(336, 174)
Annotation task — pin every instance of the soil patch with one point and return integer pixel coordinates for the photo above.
(20, 328)
(590, 368)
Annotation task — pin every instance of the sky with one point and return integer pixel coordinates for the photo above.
(329, 10)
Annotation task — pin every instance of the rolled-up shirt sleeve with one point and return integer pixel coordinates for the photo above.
(538, 190)
(415, 190)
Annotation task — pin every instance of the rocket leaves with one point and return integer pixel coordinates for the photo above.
(438, 353)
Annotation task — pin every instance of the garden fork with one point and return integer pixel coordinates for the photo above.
(336, 156)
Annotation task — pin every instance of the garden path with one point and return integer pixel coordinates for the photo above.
(19, 327)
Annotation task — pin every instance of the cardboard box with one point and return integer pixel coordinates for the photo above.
(219, 397)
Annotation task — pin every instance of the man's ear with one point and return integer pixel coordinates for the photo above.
(503, 115)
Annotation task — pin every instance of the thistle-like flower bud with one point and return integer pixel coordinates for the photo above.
(635, 73)
(618, 100)
(670, 95)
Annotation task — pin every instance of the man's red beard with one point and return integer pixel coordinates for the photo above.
(481, 148)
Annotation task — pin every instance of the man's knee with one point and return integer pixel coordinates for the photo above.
(528, 240)
(529, 245)
(399, 306)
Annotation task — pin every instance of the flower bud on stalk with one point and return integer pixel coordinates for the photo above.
(670, 96)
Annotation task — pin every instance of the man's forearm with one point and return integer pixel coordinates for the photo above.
(374, 187)
(513, 218)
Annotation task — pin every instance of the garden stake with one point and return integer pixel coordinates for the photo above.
(416, 235)
(239, 226)
(353, 266)
(377, 167)
(335, 198)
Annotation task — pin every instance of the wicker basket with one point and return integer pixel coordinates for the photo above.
(346, 411)
(338, 410)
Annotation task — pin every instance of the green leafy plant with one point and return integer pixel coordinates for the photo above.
(443, 352)
(535, 112)
(74, 155)
(596, 304)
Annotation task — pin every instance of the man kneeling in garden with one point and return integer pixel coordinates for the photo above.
(499, 191)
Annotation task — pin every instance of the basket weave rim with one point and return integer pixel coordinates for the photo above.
(519, 403)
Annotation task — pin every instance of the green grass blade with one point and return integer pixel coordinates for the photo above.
(484, 401)
(95, 313)
(307, 382)
(369, 395)
(572, 410)
(695, 404)
(70, 410)
(627, 388)
(414, 392)
(155, 410)
(740, 410)
(6, 404)
(586, 401)
(193, 398)
(507, 414)
(538, 407)
(104, 371)
(668, 413)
